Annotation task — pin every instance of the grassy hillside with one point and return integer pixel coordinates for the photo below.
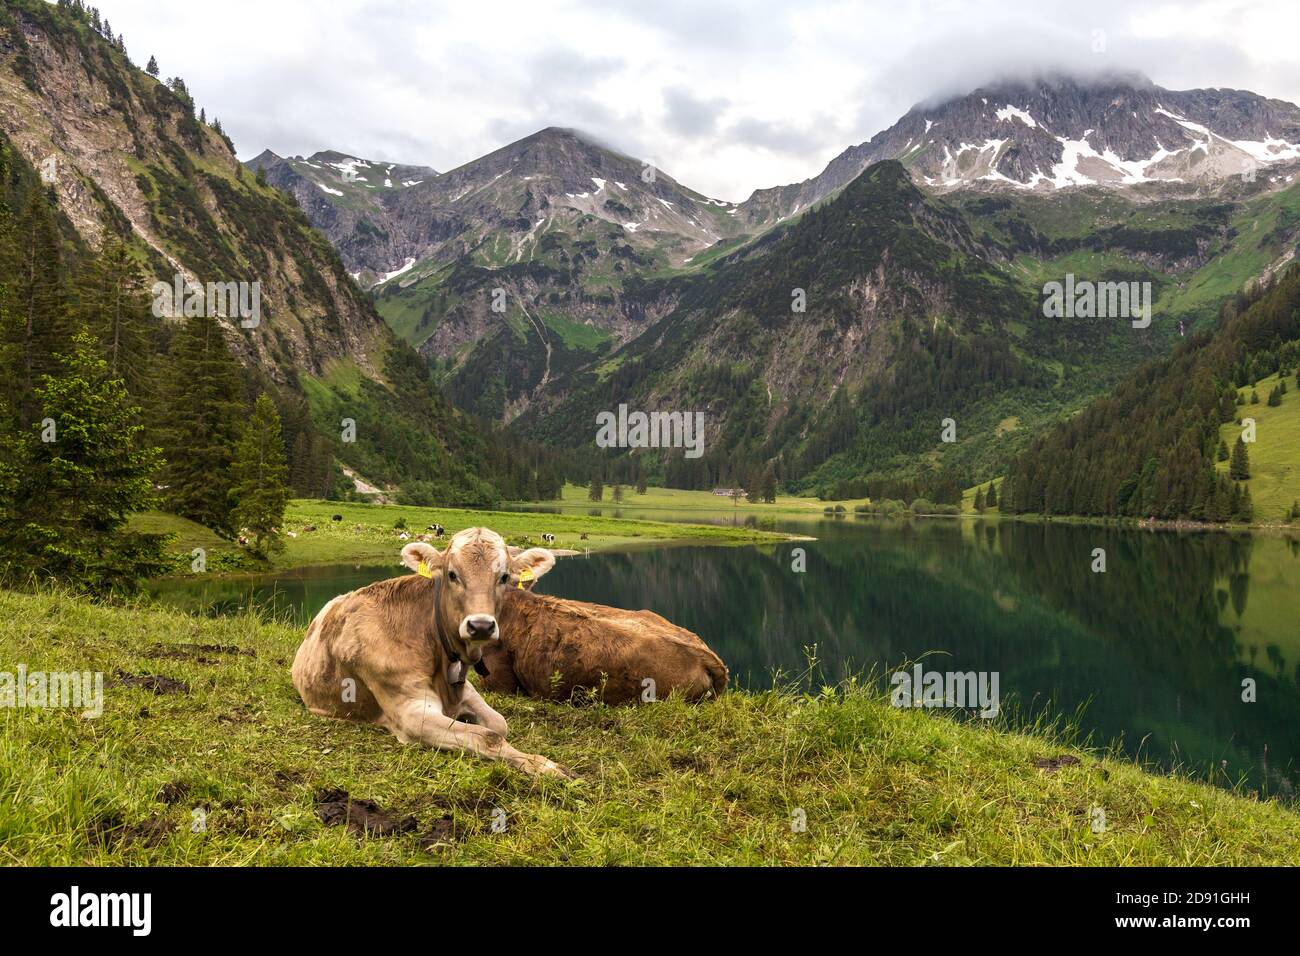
(718, 783)
(1275, 456)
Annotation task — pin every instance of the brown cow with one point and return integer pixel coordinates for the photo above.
(551, 647)
(396, 653)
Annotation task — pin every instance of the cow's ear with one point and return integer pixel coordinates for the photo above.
(422, 558)
(536, 560)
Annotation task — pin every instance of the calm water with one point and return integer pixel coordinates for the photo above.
(1155, 650)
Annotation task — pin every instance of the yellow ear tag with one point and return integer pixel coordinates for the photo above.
(423, 570)
(525, 575)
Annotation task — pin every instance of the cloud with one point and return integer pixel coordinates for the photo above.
(689, 115)
(726, 97)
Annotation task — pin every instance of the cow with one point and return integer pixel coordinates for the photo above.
(551, 648)
(336, 518)
(437, 529)
(548, 539)
(396, 653)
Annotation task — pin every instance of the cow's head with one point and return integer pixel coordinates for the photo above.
(476, 570)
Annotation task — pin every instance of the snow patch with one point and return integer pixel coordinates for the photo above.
(332, 192)
(1008, 112)
(397, 272)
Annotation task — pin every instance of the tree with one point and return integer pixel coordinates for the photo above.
(1254, 397)
(113, 305)
(83, 470)
(259, 477)
(991, 499)
(1274, 397)
(979, 500)
(39, 326)
(202, 427)
(152, 68)
(597, 489)
(769, 484)
(1239, 468)
(1222, 453)
(618, 493)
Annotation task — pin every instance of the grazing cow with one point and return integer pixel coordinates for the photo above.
(403, 537)
(437, 529)
(548, 539)
(337, 518)
(310, 527)
(396, 653)
(551, 647)
(583, 536)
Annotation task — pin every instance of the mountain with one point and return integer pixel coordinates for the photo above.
(124, 154)
(346, 197)
(1149, 449)
(1056, 132)
(501, 208)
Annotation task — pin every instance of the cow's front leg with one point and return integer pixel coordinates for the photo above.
(474, 709)
(417, 716)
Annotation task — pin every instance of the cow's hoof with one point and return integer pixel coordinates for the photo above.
(540, 766)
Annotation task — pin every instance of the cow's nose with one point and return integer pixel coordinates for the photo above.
(481, 627)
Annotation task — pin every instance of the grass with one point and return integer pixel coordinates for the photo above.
(717, 783)
(1275, 454)
(367, 533)
(676, 499)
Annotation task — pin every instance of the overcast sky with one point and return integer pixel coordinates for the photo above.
(726, 97)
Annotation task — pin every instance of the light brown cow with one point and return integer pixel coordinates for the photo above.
(396, 653)
(551, 647)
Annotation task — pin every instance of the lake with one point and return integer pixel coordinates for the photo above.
(1153, 655)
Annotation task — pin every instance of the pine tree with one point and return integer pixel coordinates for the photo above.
(203, 424)
(979, 500)
(769, 484)
(1254, 397)
(114, 306)
(1222, 454)
(617, 496)
(597, 489)
(84, 470)
(258, 478)
(1274, 398)
(39, 326)
(1239, 469)
(152, 68)
(991, 499)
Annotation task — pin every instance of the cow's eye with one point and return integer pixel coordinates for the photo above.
(505, 578)
(451, 576)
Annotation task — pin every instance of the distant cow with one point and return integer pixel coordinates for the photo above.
(437, 529)
(583, 536)
(548, 539)
(396, 653)
(337, 518)
(551, 647)
(310, 527)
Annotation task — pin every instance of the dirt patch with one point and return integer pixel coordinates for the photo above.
(287, 778)
(174, 792)
(362, 817)
(198, 653)
(1053, 764)
(443, 833)
(151, 682)
(109, 831)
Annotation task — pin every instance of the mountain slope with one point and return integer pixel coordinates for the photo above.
(347, 198)
(126, 153)
(1149, 449)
